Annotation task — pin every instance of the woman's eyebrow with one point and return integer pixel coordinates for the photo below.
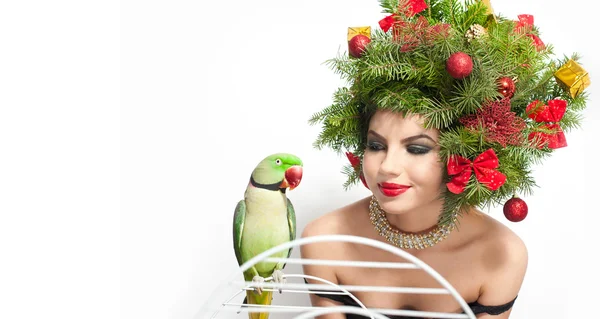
(416, 137)
(407, 139)
(376, 135)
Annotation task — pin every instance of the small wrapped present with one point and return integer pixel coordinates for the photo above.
(491, 16)
(488, 5)
(353, 31)
(572, 77)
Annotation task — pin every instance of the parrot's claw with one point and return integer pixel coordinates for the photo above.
(278, 278)
(257, 282)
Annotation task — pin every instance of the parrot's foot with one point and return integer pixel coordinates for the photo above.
(278, 278)
(257, 282)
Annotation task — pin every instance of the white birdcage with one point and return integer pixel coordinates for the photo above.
(222, 302)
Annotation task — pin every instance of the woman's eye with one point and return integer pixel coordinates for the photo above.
(418, 149)
(374, 146)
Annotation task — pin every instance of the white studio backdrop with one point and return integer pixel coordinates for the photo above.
(59, 159)
(210, 88)
(128, 131)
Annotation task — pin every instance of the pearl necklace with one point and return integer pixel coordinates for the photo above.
(406, 240)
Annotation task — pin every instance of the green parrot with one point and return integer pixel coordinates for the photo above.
(265, 218)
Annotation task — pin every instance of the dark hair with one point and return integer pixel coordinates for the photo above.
(366, 115)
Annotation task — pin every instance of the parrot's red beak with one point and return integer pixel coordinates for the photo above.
(293, 176)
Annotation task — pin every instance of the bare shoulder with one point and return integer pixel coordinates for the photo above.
(504, 258)
(502, 247)
(336, 222)
(341, 221)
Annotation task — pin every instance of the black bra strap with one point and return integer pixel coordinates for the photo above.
(492, 310)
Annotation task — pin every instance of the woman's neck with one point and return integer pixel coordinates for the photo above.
(420, 220)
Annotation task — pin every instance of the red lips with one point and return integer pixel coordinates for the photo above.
(392, 189)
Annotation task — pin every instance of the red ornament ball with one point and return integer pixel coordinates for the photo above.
(506, 87)
(515, 209)
(459, 65)
(357, 45)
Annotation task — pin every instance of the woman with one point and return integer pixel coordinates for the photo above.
(483, 259)
(448, 108)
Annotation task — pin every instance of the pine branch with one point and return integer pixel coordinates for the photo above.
(571, 120)
(342, 100)
(437, 114)
(475, 14)
(458, 141)
(390, 6)
(352, 176)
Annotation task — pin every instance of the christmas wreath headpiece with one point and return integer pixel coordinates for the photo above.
(488, 83)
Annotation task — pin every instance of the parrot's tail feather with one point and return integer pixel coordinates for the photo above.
(262, 299)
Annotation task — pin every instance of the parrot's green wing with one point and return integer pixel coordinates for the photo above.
(291, 216)
(238, 228)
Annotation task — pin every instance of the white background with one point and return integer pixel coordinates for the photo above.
(128, 132)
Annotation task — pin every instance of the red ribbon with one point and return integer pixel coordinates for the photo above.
(551, 114)
(355, 162)
(416, 6)
(525, 21)
(484, 166)
(413, 7)
(539, 44)
(387, 22)
(525, 24)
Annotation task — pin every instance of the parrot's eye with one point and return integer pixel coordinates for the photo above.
(278, 161)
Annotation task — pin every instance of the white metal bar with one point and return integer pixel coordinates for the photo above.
(393, 312)
(300, 291)
(407, 290)
(332, 309)
(341, 309)
(343, 263)
(267, 308)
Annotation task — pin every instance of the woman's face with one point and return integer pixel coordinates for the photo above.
(401, 164)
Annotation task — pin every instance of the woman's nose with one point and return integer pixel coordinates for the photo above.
(392, 164)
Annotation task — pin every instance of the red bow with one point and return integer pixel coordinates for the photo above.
(485, 172)
(387, 22)
(525, 21)
(355, 162)
(413, 7)
(552, 113)
(525, 24)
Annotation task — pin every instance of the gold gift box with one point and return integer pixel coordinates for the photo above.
(354, 31)
(488, 6)
(573, 77)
